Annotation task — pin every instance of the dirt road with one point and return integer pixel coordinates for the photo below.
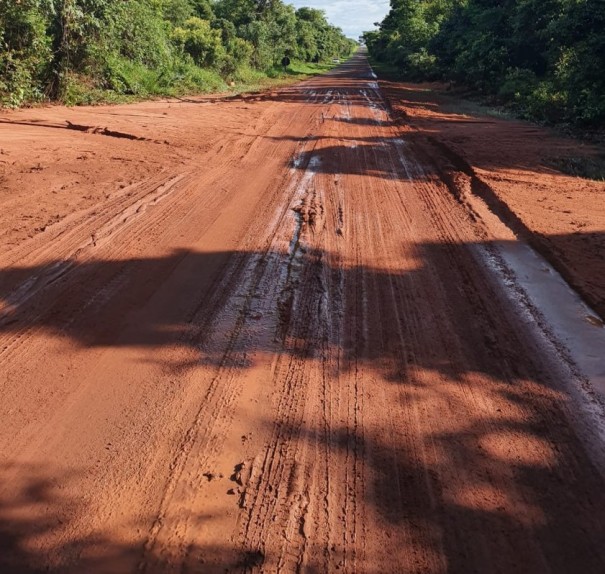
(262, 334)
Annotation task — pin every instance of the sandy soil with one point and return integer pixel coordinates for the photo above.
(254, 335)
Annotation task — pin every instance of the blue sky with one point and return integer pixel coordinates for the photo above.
(353, 16)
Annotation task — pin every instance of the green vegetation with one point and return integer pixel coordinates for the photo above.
(543, 58)
(83, 51)
(584, 166)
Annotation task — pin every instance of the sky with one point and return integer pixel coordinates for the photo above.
(353, 16)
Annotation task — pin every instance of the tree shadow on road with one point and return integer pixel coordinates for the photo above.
(118, 304)
(462, 484)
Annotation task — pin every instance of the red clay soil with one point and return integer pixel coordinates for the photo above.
(509, 164)
(254, 335)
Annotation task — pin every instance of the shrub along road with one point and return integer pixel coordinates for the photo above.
(276, 333)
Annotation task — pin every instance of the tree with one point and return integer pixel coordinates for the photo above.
(73, 49)
(546, 58)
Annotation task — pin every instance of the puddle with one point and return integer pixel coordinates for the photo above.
(313, 167)
(555, 307)
(378, 111)
(328, 97)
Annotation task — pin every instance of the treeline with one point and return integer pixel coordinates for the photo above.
(81, 50)
(546, 58)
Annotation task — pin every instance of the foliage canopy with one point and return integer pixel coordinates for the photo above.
(68, 49)
(544, 57)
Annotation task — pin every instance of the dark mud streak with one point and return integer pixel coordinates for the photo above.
(96, 130)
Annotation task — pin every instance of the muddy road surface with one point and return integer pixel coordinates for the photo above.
(264, 334)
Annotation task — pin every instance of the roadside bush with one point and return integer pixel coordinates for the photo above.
(518, 85)
(136, 31)
(237, 55)
(584, 84)
(80, 90)
(200, 41)
(422, 65)
(133, 78)
(240, 50)
(191, 78)
(547, 103)
(19, 80)
(25, 52)
(248, 75)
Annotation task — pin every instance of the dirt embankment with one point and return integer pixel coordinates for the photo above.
(511, 166)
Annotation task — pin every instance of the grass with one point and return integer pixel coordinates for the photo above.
(588, 167)
(135, 83)
(459, 104)
(309, 69)
(249, 81)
